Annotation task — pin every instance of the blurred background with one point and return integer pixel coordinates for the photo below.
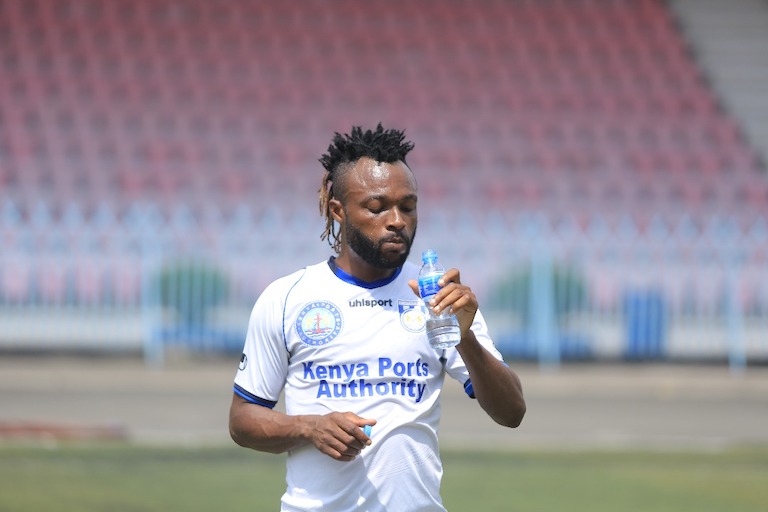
(595, 168)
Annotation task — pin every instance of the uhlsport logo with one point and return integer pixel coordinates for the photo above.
(318, 323)
(413, 314)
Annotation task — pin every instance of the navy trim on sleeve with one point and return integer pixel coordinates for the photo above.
(250, 397)
(468, 389)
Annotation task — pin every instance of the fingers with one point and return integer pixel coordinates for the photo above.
(451, 275)
(341, 435)
(343, 448)
(414, 286)
(460, 298)
(454, 294)
(344, 453)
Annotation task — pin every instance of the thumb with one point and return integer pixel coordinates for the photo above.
(414, 286)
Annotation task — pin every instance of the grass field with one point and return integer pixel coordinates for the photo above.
(120, 478)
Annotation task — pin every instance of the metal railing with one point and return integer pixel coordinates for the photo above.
(149, 280)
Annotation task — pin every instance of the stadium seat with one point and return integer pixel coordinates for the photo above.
(572, 89)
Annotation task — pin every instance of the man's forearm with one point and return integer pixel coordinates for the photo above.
(497, 387)
(259, 428)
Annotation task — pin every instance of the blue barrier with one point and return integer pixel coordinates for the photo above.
(598, 292)
(645, 322)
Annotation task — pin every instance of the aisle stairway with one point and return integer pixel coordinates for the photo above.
(730, 41)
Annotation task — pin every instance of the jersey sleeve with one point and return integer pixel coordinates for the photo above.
(455, 366)
(264, 362)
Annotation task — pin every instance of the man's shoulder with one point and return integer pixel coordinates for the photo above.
(322, 270)
(316, 269)
(282, 285)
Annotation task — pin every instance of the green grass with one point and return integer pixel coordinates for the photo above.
(733, 481)
(122, 478)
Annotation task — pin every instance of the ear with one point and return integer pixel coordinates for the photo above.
(337, 210)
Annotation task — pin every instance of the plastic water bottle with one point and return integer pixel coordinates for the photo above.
(442, 330)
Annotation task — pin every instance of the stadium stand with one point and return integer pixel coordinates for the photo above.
(150, 117)
(176, 100)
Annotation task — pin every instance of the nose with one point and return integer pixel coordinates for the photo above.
(396, 220)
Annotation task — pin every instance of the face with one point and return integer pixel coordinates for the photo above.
(378, 212)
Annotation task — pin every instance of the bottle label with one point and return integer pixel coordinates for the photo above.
(428, 285)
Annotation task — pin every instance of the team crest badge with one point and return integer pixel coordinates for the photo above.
(318, 323)
(413, 314)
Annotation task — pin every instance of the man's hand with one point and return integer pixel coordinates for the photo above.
(455, 295)
(339, 434)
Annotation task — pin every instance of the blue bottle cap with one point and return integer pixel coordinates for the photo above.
(429, 255)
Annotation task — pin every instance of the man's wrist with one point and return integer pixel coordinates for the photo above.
(468, 335)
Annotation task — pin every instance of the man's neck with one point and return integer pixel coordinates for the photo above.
(353, 265)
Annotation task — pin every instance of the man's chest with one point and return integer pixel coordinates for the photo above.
(345, 337)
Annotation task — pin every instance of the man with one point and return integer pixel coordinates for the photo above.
(345, 340)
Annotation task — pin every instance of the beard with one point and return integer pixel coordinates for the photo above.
(371, 251)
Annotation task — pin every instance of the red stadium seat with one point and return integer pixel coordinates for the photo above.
(565, 88)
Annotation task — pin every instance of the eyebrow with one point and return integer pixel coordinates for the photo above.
(379, 197)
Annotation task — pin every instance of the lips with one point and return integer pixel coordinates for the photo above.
(394, 243)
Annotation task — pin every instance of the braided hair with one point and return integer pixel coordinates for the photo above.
(381, 145)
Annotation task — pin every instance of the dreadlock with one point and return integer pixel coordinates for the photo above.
(381, 145)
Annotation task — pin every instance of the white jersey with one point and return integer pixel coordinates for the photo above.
(335, 343)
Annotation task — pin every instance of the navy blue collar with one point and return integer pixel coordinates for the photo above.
(349, 278)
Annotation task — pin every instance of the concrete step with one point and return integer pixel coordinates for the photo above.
(730, 42)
